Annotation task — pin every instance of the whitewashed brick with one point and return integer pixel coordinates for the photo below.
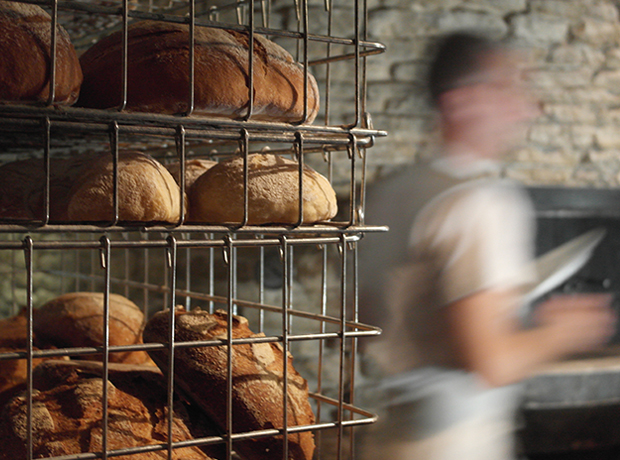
(493, 26)
(608, 137)
(597, 32)
(540, 28)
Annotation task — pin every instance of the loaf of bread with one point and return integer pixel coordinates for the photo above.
(158, 74)
(67, 414)
(76, 320)
(14, 372)
(22, 187)
(257, 381)
(194, 168)
(147, 192)
(25, 56)
(273, 193)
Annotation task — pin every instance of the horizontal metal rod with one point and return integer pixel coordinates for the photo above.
(38, 227)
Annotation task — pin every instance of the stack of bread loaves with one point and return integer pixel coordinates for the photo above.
(67, 414)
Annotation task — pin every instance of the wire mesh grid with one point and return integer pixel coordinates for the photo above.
(258, 272)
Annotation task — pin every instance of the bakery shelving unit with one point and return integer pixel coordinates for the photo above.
(256, 271)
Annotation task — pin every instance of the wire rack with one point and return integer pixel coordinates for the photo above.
(261, 272)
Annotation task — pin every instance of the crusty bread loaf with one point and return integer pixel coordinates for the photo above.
(22, 186)
(147, 192)
(158, 74)
(257, 381)
(67, 414)
(14, 337)
(194, 168)
(25, 45)
(273, 193)
(76, 320)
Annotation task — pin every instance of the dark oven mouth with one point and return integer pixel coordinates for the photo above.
(571, 410)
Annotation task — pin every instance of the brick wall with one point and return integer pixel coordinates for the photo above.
(573, 55)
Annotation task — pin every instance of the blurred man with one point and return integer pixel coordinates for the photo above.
(447, 280)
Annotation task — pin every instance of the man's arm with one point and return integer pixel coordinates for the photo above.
(491, 342)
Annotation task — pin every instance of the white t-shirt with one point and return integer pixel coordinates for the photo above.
(458, 235)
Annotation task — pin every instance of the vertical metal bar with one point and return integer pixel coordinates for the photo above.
(53, 53)
(328, 51)
(127, 271)
(261, 285)
(321, 343)
(229, 337)
(171, 253)
(299, 152)
(363, 59)
(114, 130)
(245, 149)
(180, 145)
(211, 273)
(357, 66)
(28, 255)
(286, 304)
(354, 341)
(250, 62)
(341, 376)
(47, 127)
(352, 151)
(265, 12)
(124, 54)
(106, 266)
(188, 272)
(192, 27)
(147, 277)
(304, 17)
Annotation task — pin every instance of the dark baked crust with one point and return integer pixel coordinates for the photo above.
(25, 45)
(76, 320)
(67, 413)
(257, 377)
(158, 74)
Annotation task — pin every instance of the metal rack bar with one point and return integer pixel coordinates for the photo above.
(75, 119)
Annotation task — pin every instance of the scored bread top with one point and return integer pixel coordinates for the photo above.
(273, 193)
(158, 74)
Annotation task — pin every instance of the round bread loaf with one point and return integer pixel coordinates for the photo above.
(158, 74)
(22, 186)
(76, 320)
(147, 192)
(194, 168)
(257, 381)
(25, 45)
(273, 193)
(67, 414)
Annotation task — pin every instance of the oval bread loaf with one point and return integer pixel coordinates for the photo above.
(158, 74)
(147, 192)
(273, 193)
(257, 381)
(25, 45)
(67, 414)
(76, 320)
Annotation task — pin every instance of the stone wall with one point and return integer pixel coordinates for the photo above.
(573, 55)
